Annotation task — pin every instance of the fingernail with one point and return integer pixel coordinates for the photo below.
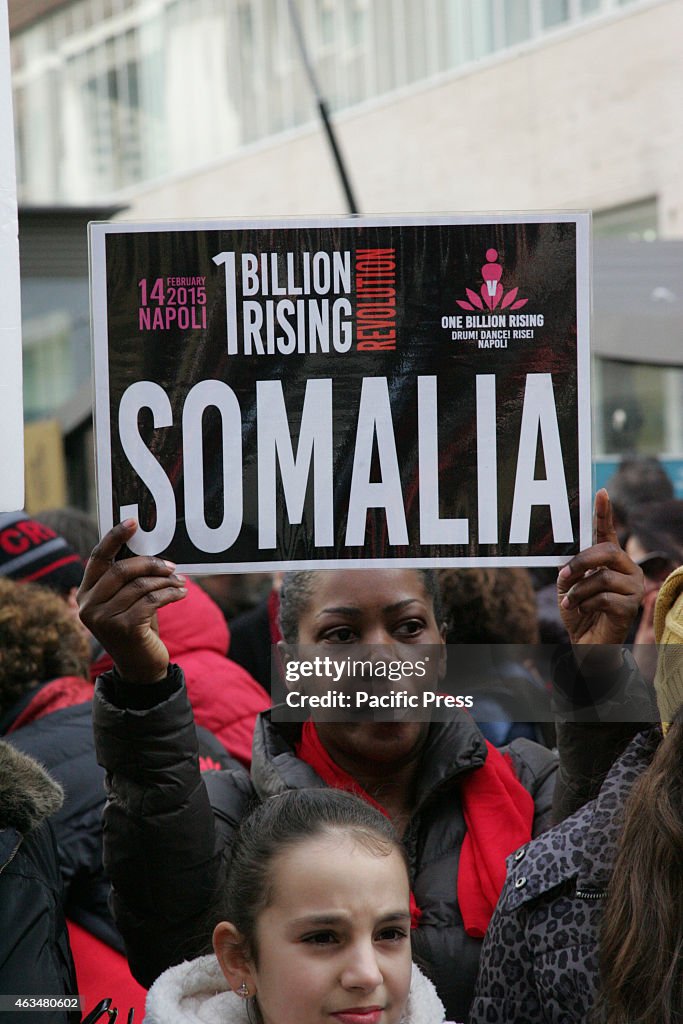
(169, 565)
(564, 603)
(564, 572)
(127, 523)
(181, 577)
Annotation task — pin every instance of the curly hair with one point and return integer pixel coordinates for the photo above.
(39, 640)
(489, 606)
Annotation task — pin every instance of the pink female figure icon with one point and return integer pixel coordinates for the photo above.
(492, 290)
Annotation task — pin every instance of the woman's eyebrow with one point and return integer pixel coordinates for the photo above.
(318, 920)
(340, 610)
(402, 604)
(354, 610)
(322, 920)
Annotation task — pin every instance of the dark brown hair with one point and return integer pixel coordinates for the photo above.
(277, 825)
(641, 950)
(39, 640)
(659, 527)
(489, 606)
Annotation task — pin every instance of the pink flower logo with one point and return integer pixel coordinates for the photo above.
(492, 289)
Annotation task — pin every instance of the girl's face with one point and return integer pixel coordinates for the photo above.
(390, 612)
(333, 945)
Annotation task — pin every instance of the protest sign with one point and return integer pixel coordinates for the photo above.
(11, 404)
(348, 392)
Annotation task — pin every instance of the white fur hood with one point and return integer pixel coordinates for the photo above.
(196, 992)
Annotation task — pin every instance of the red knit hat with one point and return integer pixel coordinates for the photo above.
(32, 552)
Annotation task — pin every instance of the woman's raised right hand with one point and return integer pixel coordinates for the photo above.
(118, 601)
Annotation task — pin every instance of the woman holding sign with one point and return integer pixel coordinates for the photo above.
(460, 806)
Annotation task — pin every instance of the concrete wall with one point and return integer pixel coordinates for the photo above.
(590, 118)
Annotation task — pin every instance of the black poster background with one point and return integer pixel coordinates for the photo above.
(435, 263)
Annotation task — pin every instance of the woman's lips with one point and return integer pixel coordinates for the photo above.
(359, 1015)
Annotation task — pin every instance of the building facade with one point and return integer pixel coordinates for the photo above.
(201, 108)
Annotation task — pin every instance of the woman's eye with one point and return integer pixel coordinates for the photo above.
(413, 627)
(320, 938)
(392, 935)
(339, 635)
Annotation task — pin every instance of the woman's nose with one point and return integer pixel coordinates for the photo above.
(378, 635)
(361, 970)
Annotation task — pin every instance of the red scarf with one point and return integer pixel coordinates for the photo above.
(498, 813)
(60, 693)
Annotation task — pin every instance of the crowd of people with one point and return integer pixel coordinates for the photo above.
(170, 839)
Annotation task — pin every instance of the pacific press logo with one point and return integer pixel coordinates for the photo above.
(481, 324)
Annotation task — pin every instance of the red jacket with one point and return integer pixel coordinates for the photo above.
(102, 971)
(225, 699)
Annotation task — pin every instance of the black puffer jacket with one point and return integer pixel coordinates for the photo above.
(35, 958)
(63, 742)
(539, 962)
(164, 854)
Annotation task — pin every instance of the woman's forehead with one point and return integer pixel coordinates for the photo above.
(320, 864)
(362, 586)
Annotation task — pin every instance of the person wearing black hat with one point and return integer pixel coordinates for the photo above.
(32, 552)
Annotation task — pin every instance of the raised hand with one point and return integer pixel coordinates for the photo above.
(599, 591)
(118, 603)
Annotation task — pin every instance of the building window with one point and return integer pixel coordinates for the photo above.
(634, 221)
(637, 409)
(104, 99)
(517, 15)
(555, 12)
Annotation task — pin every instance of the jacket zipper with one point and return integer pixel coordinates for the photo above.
(591, 894)
(8, 860)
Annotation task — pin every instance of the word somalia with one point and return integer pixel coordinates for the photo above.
(296, 456)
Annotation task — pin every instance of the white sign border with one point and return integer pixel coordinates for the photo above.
(98, 231)
(12, 491)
